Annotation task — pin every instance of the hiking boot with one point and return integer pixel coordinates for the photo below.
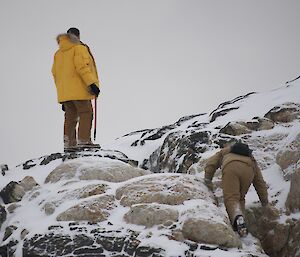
(239, 225)
(87, 146)
(71, 149)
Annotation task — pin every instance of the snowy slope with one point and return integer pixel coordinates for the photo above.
(30, 214)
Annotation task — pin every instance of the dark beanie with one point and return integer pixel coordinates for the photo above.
(74, 31)
(241, 149)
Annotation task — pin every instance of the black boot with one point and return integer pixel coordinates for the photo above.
(239, 225)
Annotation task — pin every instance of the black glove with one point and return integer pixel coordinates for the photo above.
(63, 107)
(94, 90)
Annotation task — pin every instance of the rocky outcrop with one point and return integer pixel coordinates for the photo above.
(284, 113)
(98, 153)
(178, 152)
(241, 127)
(100, 243)
(112, 171)
(163, 189)
(288, 158)
(227, 107)
(263, 223)
(150, 215)
(94, 210)
(293, 200)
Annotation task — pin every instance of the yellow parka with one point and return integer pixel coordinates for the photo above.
(74, 70)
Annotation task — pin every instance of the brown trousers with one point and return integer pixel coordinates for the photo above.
(236, 180)
(77, 112)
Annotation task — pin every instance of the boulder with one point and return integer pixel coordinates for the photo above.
(75, 194)
(206, 223)
(258, 124)
(163, 189)
(263, 223)
(107, 170)
(28, 183)
(150, 215)
(284, 113)
(12, 192)
(235, 128)
(204, 231)
(292, 248)
(293, 200)
(288, 158)
(94, 210)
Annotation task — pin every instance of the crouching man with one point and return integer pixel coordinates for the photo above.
(239, 171)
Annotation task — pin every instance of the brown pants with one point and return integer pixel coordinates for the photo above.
(236, 180)
(79, 111)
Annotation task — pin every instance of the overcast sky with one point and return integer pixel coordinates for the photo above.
(158, 60)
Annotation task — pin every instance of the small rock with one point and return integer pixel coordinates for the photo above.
(3, 168)
(12, 207)
(28, 183)
(2, 215)
(24, 233)
(49, 208)
(8, 231)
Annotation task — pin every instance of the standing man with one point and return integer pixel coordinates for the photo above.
(239, 171)
(76, 79)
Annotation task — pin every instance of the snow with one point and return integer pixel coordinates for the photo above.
(31, 215)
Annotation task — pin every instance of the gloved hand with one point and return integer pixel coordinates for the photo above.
(94, 90)
(63, 107)
(209, 184)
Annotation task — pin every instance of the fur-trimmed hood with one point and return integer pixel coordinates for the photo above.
(66, 41)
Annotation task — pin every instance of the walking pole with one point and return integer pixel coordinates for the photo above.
(95, 119)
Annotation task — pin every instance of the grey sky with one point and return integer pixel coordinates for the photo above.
(158, 60)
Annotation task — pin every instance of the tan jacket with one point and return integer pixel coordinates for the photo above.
(222, 158)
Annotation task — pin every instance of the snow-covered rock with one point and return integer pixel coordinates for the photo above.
(163, 189)
(288, 158)
(114, 171)
(150, 215)
(94, 210)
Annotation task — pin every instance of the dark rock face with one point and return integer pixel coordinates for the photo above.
(154, 134)
(178, 152)
(99, 244)
(115, 155)
(2, 215)
(224, 108)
